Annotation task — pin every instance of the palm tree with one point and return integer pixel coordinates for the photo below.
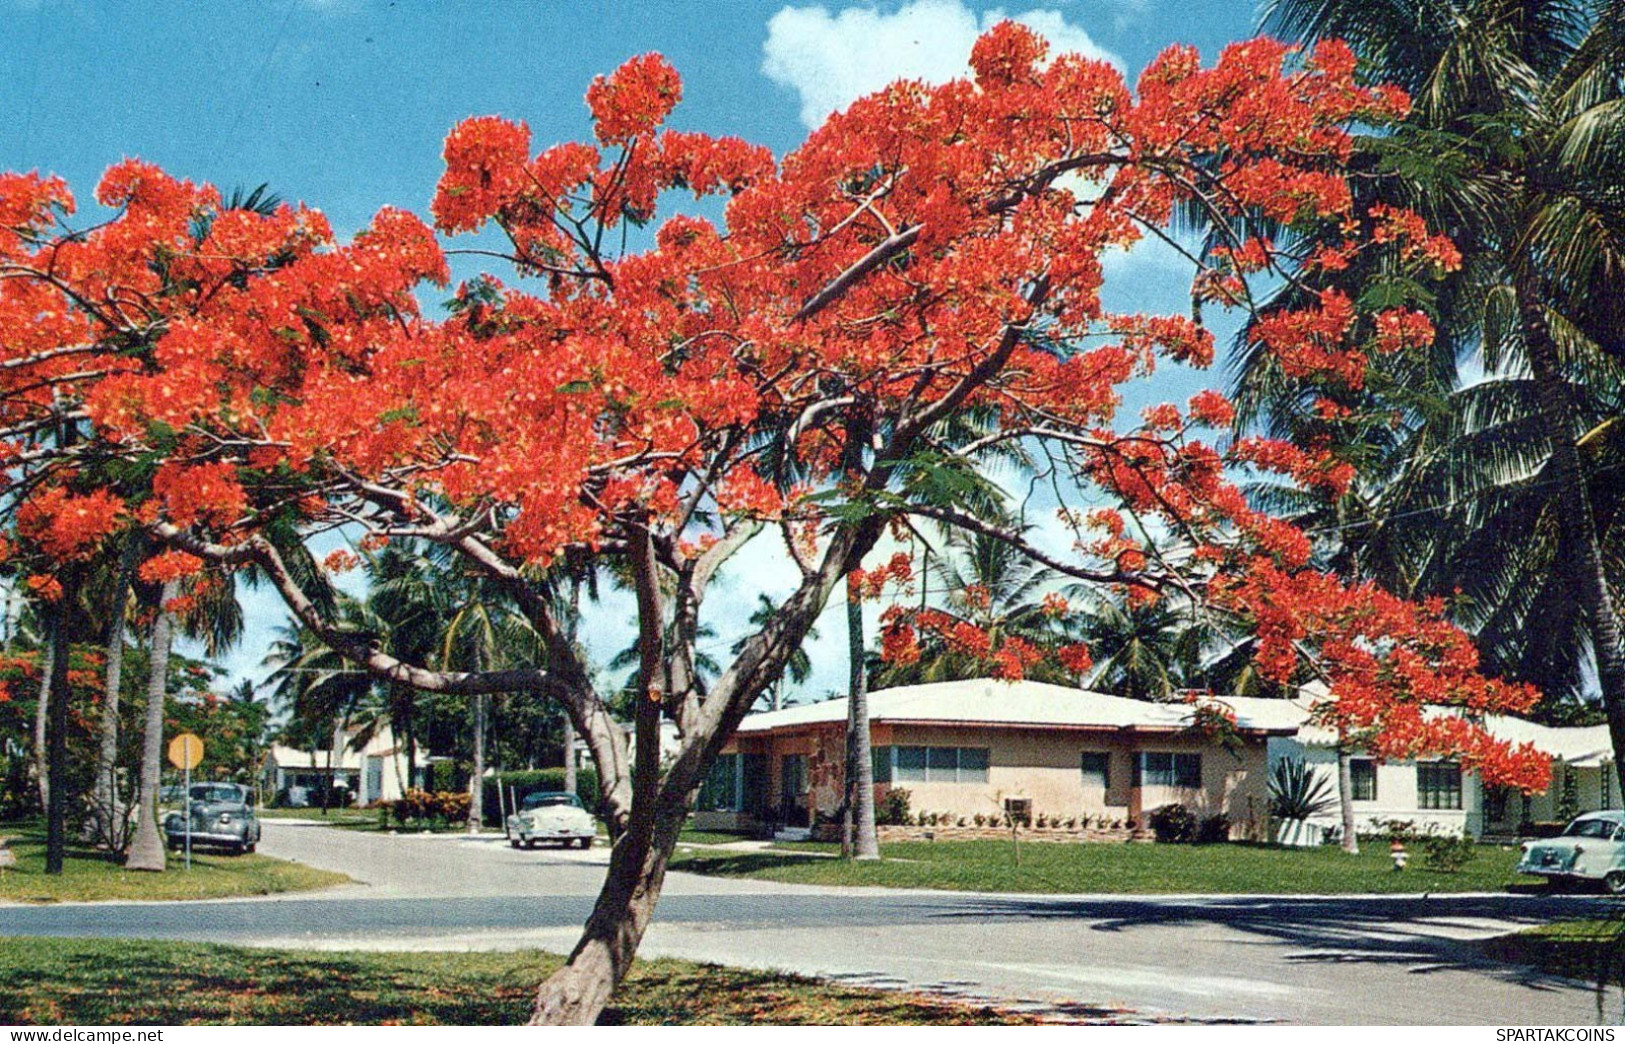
(1516, 148)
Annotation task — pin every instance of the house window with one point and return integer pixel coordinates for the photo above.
(1363, 774)
(1160, 768)
(941, 764)
(720, 791)
(1438, 785)
(881, 759)
(1097, 771)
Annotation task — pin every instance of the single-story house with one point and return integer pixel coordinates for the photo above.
(373, 771)
(985, 746)
(1438, 794)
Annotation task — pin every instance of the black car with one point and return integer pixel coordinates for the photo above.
(222, 816)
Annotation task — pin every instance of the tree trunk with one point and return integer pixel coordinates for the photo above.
(1345, 799)
(42, 717)
(476, 779)
(56, 769)
(577, 993)
(569, 754)
(147, 850)
(1580, 555)
(858, 838)
(108, 800)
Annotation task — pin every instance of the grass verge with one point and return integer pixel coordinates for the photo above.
(1590, 950)
(104, 982)
(90, 874)
(992, 866)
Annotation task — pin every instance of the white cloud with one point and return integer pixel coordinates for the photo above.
(833, 59)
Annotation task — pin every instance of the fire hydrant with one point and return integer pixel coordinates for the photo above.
(1396, 851)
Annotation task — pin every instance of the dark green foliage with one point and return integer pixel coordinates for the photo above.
(893, 809)
(1172, 823)
(1214, 830)
(529, 781)
(1447, 853)
(1298, 791)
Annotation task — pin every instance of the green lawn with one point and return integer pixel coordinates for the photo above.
(690, 836)
(350, 817)
(990, 866)
(89, 874)
(98, 982)
(1589, 950)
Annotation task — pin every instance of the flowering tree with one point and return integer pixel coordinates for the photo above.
(234, 382)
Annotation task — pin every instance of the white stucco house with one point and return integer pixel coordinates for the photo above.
(1438, 794)
(374, 771)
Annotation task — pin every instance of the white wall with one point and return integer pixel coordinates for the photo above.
(1396, 793)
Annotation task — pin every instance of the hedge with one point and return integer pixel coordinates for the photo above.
(529, 781)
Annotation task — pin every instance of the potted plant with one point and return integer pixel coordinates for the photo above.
(1297, 794)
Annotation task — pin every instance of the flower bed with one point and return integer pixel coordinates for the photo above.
(890, 834)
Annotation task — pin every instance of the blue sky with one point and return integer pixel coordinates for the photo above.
(344, 104)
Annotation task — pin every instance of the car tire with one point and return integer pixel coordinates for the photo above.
(1613, 882)
(250, 847)
(585, 843)
(530, 842)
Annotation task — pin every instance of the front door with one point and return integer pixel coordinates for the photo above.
(793, 789)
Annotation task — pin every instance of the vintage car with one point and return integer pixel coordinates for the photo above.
(222, 816)
(1592, 848)
(551, 815)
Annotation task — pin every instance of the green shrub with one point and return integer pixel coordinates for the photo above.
(1446, 853)
(1298, 791)
(1214, 829)
(528, 781)
(893, 809)
(1172, 823)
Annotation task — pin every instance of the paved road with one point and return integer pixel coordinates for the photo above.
(1314, 960)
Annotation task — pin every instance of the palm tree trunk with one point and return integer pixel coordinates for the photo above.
(577, 993)
(147, 850)
(476, 779)
(1581, 554)
(858, 837)
(107, 797)
(56, 769)
(1345, 798)
(42, 717)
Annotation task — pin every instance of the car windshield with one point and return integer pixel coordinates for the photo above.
(217, 793)
(550, 799)
(1591, 828)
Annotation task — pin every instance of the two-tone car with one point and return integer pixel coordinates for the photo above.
(1592, 848)
(551, 816)
(222, 816)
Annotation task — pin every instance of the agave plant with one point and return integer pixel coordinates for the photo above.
(1298, 791)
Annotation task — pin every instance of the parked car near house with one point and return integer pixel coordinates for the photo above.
(551, 815)
(222, 816)
(1592, 848)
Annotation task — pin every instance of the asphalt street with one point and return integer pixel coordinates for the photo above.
(1342, 960)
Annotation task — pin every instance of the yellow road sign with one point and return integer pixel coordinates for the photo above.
(185, 751)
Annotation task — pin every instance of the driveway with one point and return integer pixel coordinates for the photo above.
(1340, 960)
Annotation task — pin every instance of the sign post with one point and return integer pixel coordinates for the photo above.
(185, 752)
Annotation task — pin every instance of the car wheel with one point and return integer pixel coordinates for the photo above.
(585, 843)
(514, 841)
(530, 842)
(1614, 882)
(251, 846)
